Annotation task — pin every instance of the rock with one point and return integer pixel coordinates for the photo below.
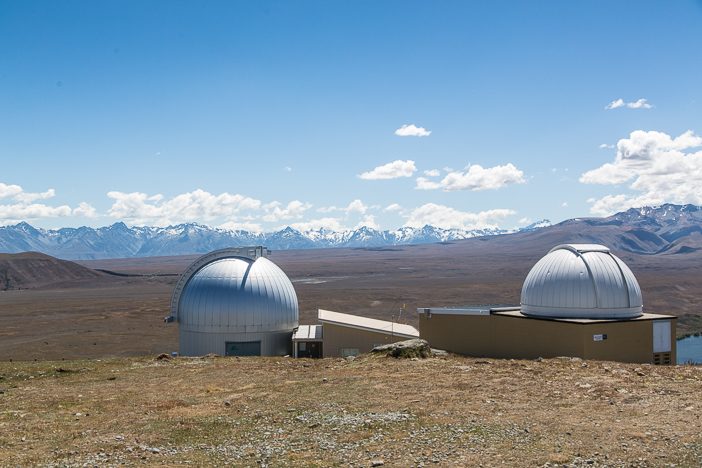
(227, 403)
(350, 358)
(405, 349)
(377, 462)
(438, 352)
(163, 357)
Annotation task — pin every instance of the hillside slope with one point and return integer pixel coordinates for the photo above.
(332, 412)
(32, 269)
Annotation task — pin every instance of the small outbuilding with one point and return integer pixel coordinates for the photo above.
(349, 335)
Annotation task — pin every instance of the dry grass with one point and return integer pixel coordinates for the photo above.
(279, 411)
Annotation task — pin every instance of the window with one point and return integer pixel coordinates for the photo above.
(346, 352)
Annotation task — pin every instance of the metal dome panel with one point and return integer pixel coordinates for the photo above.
(235, 294)
(581, 281)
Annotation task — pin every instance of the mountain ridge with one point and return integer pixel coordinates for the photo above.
(664, 229)
(119, 240)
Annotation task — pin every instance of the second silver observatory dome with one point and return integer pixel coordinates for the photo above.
(581, 281)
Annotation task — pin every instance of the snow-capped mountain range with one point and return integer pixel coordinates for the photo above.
(650, 230)
(120, 240)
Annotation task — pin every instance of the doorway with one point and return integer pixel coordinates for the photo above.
(309, 349)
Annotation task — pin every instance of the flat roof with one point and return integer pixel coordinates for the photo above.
(368, 324)
(308, 333)
(467, 310)
(518, 314)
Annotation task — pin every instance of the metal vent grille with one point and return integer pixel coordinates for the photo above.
(661, 359)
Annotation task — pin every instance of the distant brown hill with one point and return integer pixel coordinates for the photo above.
(30, 270)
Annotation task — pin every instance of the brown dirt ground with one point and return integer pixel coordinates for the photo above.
(451, 411)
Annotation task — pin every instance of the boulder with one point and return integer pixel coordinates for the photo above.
(414, 348)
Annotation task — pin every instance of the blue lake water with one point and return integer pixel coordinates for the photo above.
(690, 350)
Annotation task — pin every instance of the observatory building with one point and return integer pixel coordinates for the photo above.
(579, 300)
(235, 302)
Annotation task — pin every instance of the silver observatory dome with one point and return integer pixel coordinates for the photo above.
(235, 302)
(581, 281)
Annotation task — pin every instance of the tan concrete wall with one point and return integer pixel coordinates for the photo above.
(529, 338)
(626, 341)
(337, 337)
(502, 336)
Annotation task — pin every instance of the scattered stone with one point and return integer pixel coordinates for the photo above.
(163, 357)
(405, 349)
(350, 358)
(227, 403)
(438, 352)
(377, 462)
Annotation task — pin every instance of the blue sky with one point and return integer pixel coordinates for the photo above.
(266, 114)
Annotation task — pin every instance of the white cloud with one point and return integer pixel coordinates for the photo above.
(475, 178)
(21, 206)
(356, 206)
(7, 191)
(10, 214)
(29, 197)
(412, 130)
(140, 208)
(449, 218)
(432, 173)
(393, 207)
(294, 210)
(606, 146)
(368, 221)
(287, 169)
(392, 170)
(425, 184)
(332, 224)
(564, 204)
(85, 210)
(638, 104)
(617, 103)
(245, 226)
(525, 221)
(662, 169)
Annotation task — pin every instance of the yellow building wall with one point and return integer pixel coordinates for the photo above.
(502, 336)
(337, 337)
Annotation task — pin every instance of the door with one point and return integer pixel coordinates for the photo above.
(661, 336)
(243, 348)
(309, 349)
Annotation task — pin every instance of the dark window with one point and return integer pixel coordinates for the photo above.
(309, 349)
